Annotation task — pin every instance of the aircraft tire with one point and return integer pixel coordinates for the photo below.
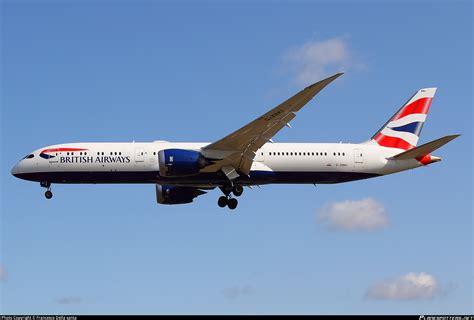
(232, 203)
(238, 190)
(222, 202)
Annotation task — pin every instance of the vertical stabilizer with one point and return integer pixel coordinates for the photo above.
(403, 129)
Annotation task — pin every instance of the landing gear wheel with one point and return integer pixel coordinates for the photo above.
(46, 184)
(227, 189)
(238, 190)
(222, 202)
(232, 203)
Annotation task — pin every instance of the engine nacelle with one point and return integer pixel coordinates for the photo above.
(179, 162)
(176, 195)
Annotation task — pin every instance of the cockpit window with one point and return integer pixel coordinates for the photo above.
(29, 156)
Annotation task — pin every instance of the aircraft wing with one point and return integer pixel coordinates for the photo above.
(235, 152)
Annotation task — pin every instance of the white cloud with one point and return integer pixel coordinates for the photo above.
(365, 214)
(410, 286)
(238, 291)
(69, 300)
(315, 60)
(3, 273)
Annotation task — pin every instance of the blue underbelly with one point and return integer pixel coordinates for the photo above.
(255, 177)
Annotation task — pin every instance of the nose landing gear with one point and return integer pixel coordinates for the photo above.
(45, 184)
(48, 194)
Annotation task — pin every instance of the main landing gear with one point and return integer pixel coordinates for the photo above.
(226, 199)
(45, 184)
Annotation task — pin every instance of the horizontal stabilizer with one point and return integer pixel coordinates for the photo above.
(424, 149)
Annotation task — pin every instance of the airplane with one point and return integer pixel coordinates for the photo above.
(245, 158)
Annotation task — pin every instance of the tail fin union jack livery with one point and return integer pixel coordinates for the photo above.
(403, 129)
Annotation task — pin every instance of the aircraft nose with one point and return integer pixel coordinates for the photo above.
(15, 170)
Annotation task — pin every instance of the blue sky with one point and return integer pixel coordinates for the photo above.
(195, 71)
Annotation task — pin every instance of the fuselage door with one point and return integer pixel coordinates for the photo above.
(259, 156)
(54, 157)
(139, 155)
(358, 158)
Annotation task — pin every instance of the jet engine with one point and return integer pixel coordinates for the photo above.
(179, 162)
(166, 194)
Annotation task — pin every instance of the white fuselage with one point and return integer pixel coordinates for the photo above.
(245, 157)
(137, 162)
